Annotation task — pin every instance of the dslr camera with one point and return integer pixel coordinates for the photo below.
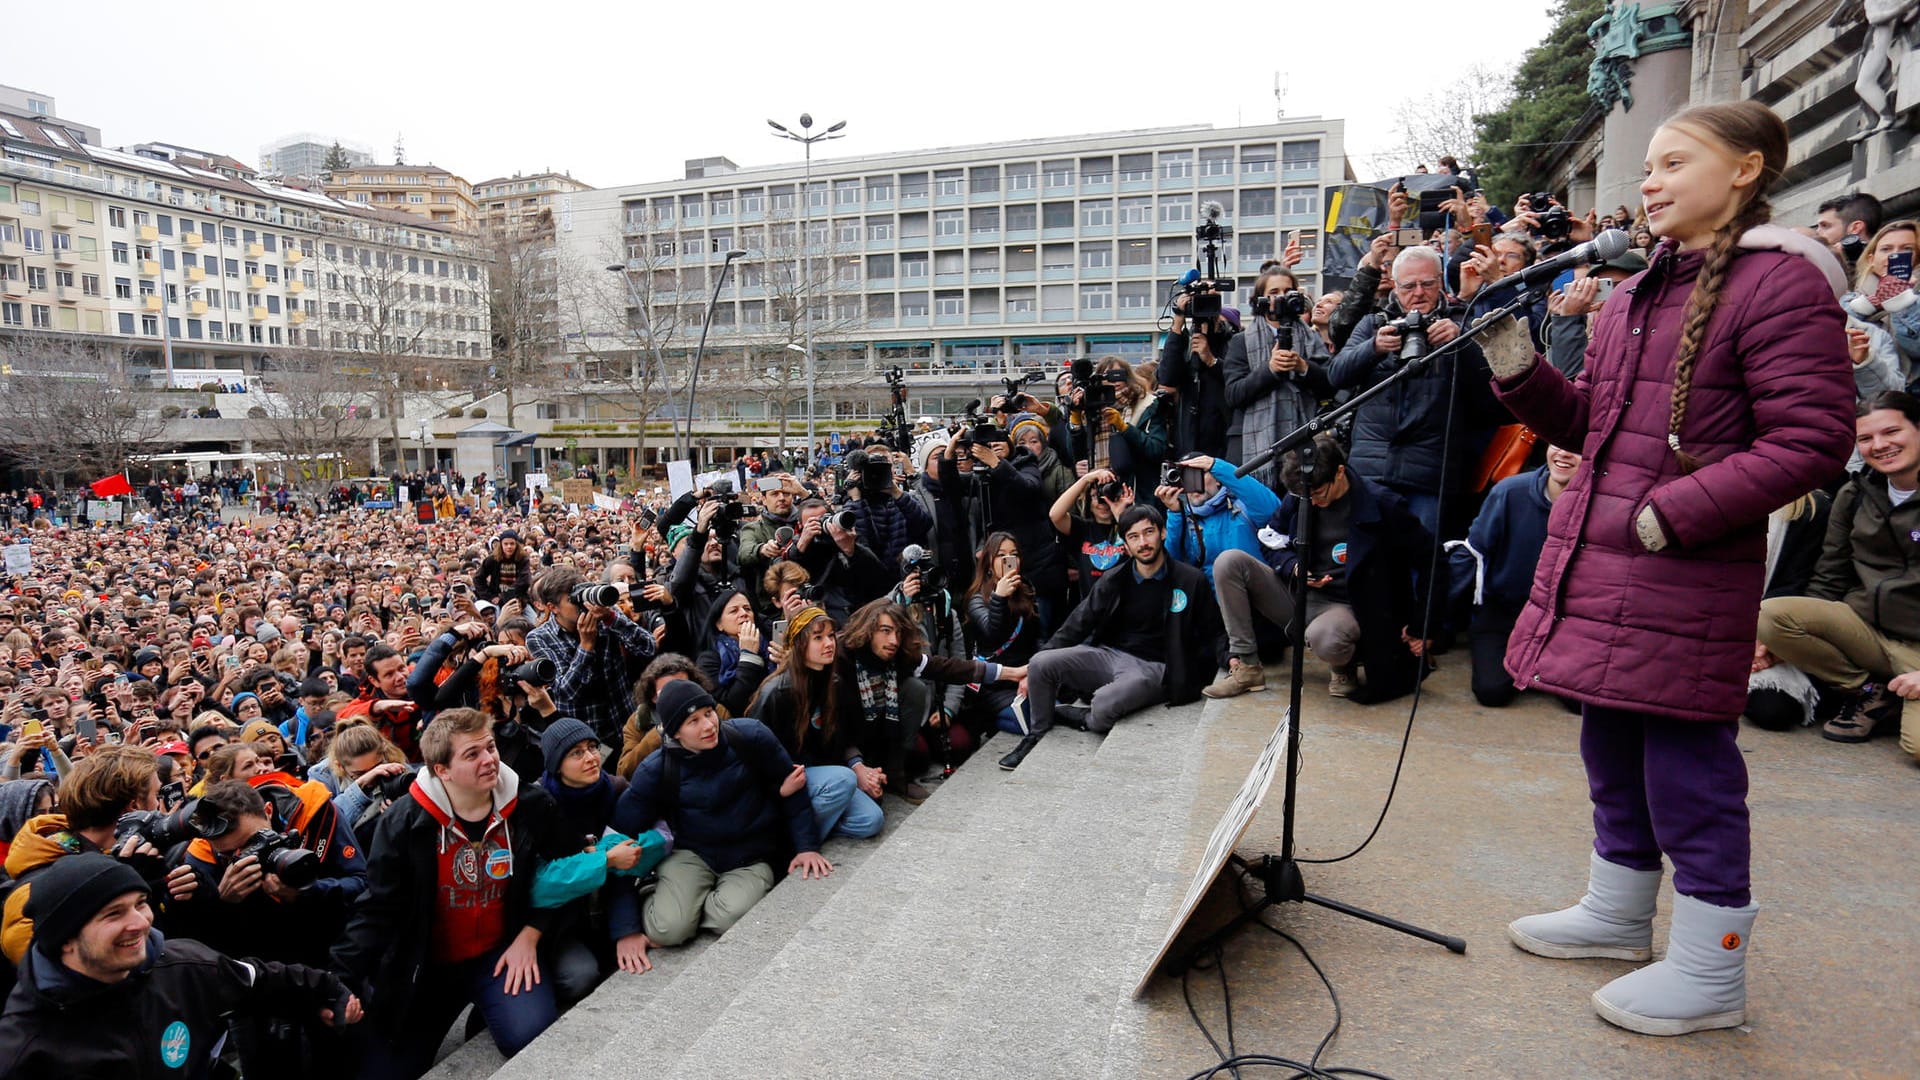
(595, 594)
(280, 854)
(1412, 328)
(1555, 222)
(164, 829)
(1291, 304)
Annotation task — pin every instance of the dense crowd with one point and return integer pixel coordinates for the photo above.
(481, 748)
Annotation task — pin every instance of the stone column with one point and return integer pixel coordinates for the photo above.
(1643, 69)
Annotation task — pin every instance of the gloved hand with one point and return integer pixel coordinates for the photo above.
(1508, 348)
(1647, 527)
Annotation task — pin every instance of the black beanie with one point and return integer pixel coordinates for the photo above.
(678, 700)
(560, 738)
(66, 896)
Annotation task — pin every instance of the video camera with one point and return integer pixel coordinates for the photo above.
(1100, 387)
(1013, 386)
(727, 519)
(1207, 294)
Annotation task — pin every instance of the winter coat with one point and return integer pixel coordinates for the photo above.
(1018, 498)
(1267, 406)
(1200, 415)
(1493, 567)
(1362, 298)
(163, 1022)
(950, 534)
(1137, 452)
(1386, 547)
(1229, 521)
(389, 937)
(1398, 436)
(1192, 626)
(887, 524)
(1769, 418)
(1868, 558)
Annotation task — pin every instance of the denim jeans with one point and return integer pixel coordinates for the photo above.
(839, 806)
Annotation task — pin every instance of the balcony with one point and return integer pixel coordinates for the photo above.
(256, 282)
(13, 288)
(256, 250)
(190, 240)
(295, 318)
(295, 288)
(150, 302)
(65, 256)
(12, 249)
(196, 307)
(67, 294)
(195, 274)
(293, 255)
(147, 234)
(149, 268)
(257, 314)
(62, 219)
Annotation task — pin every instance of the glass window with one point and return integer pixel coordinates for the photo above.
(1056, 215)
(879, 188)
(913, 305)
(1136, 253)
(1300, 200)
(846, 193)
(1257, 160)
(1021, 177)
(1096, 170)
(1256, 202)
(1059, 173)
(950, 181)
(1096, 214)
(1135, 168)
(879, 228)
(949, 222)
(1096, 256)
(985, 219)
(1021, 217)
(1300, 158)
(949, 303)
(1176, 209)
(720, 203)
(1096, 298)
(1176, 164)
(913, 185)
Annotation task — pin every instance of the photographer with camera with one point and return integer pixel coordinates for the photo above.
(1276, 371)
(1129, 413)
(1093, 542)
(95, 799)
(1224, 515)
(596, 651)
(844, 572)
(765, 539)
(1190, 367)
(922, 594)
(1490, 280)
(1399, 437)
(701, 573)
(1011, 493)
(883, 519)
(951, 534)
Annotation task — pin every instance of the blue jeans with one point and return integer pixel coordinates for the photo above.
(1424, 505)
(839, 806)
(437, 999)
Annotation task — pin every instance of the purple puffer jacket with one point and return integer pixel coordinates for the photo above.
(1769, 419)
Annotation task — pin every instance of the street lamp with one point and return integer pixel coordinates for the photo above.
(693, 382)
(633, 299)
(806, 138)
(806, 351)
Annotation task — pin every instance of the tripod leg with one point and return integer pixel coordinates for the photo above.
(1453, 944)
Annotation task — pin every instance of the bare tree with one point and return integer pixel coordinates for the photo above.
(315, 414)
(621, 329)
(523, 301)
(70, 408)
(1441, 122)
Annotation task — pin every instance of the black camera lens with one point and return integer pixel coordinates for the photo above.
(1112, 489)
(538, 671)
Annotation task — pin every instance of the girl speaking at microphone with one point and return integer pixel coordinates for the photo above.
(1717, 387)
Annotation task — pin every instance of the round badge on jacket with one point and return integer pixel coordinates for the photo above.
(175, 1042)
(1179, 601)
(1340, 554)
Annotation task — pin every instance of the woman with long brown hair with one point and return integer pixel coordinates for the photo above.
(1716, 387)
(799, 703)
(1004, 625)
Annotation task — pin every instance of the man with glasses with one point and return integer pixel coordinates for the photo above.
(1407, 440)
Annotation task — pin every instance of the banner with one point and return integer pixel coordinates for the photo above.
(19, 559)
(605, 502)
(537, 480)
(113, 485)
(104, 510)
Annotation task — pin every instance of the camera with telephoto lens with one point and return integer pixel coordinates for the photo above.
(281, 855)
(394, 787)
(164, 829)
(1412, 328)
(595, 594)
(843, 519)
(538, 671)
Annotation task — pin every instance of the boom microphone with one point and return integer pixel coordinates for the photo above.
(1608, 245)
(1192, 275)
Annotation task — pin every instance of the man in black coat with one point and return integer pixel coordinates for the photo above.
(1143, 635)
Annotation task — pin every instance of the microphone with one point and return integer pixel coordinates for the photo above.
(973, 406)
(1608, 245)
(1192, 275)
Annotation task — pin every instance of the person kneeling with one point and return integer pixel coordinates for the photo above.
(1143, 635)
(1360, 568)
(737, 806)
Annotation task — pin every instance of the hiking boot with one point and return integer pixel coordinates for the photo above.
(1239, 678)
(1073, 716)
(1019, 753)
(1342, 683)
(913, 791)
(1862, 712)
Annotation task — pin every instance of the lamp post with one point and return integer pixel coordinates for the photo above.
(633, 299)
(807, 353)
(693, 381)
(806, 138)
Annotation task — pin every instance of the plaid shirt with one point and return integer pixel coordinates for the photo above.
(595, 687)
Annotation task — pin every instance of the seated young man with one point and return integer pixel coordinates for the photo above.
(1144, 634)
(737, 807)
(1361, 607)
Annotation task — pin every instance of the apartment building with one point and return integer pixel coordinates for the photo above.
(303, 155)
(34, 105)
(427, 192)
(517, 203)
(201, 275)
(961, 266)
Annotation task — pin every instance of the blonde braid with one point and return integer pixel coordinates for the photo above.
(1699, 312)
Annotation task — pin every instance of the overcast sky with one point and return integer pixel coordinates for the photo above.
(622, 93)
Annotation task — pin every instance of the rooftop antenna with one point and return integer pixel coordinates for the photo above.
(1279, 96)
(399, 150)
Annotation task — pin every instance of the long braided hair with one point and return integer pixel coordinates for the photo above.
(1740, 128)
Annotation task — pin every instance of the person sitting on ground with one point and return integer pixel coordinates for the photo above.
(1005, 628)
(737, 807)
(1779, 695)
(799, 704)
(1224, 515)
(737, 653)
(1143, 635)
(1361, 606)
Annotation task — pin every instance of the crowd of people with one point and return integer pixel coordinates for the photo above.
(266, 777)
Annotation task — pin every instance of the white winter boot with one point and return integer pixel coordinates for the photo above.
(1613, 921)
(1702, 983)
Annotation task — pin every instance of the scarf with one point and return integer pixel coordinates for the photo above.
(728, 647)
(589, 808)
(879, 691)
(1214, 504)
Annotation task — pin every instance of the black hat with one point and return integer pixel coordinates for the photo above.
(561, 737)
(678, 700)
(67, 895)
(146, 656)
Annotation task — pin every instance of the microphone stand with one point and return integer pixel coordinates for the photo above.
(1279, 874)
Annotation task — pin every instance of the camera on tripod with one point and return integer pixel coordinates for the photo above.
(1412, 328)
(1291, 304)
(1207, 294)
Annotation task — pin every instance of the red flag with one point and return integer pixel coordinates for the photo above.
(112, 485)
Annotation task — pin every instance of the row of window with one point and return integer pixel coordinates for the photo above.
(1299, 158)
(1132, 299)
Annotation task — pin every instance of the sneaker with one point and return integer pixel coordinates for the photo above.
(1342, 683)
(1861, 713)
(1239, 678)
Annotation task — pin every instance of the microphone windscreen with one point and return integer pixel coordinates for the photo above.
(1611, 244)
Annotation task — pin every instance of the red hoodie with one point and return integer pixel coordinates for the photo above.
(471, 876)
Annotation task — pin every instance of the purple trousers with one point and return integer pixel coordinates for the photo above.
(1672, 787)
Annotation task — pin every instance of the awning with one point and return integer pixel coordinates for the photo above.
(1109, 339)
(903, 344)
(1043, 341)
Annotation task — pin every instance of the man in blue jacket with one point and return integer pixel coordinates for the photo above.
(1226, 517)
(738, 807)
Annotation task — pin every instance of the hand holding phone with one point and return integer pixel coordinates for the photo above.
(1900, 265)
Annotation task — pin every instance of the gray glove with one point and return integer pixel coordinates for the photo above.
(1508, 348)
(1647, 527)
